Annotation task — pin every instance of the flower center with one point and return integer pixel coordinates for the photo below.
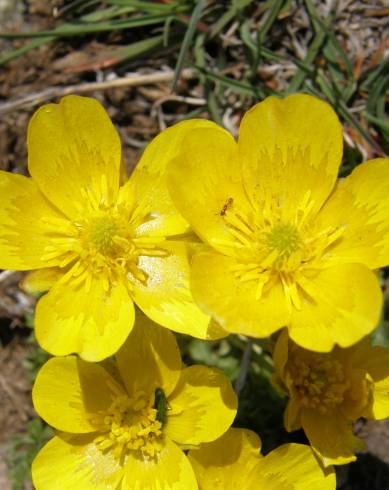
(318, 381)
(131, 425)
(102, 233)
(106, 239)
(109, 247)
(272, 243)
(107, 242)
(284, 238)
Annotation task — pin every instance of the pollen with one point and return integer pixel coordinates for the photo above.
(130, 425)
(284, 238)
(108, 245)
(319, 381)
(102, 232)
(105, 242)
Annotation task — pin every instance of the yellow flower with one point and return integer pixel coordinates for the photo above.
(286, 244)
(234, 462)
(328, 391)
(124, 424)
(96, 245)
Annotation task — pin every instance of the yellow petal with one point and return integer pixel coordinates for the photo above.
(292, 415)
(85, 318)
(227, 462)
(68, 391)
(360, 205)
(150, 358)
(27, 224)
(74, 154)
(66, 463)
(148, 183)
(233, 462)
(290, 149)
(171, 470)
(331, 436)
(41, 280)
(219, 291)
(373, 359)
(166, 297)
(342, 305)
(380, 408)
(280, 353)
(357, 398)
(205, 182)
(294, 466)
(202, 407)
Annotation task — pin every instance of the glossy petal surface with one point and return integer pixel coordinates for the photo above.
(202, 407)
(291, 150)
(166, 297)
(205, 180)
(74, 463)
(172, 471)
(28, 222)
(331, 437)
(219, 291)
(68, 391)
(74, 154)
(342, 305)
(149, 184)
(84, 318)
(360, 206)
(150, 358)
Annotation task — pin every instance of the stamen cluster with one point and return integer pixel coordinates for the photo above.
(130, 425)
(318, 382)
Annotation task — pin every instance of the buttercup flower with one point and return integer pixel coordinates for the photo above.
(96, 245)
(125, 424)
(328, 391)
(286, 244)
(234, 462)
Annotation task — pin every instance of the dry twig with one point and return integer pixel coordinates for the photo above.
(133, 80)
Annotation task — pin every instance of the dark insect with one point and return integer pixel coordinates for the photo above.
(226, 206)
(161, 405)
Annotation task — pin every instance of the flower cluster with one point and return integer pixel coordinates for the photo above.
(208, 237)
(129, 420)
(328, 391)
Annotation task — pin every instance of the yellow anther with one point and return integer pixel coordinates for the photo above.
(130, 425)
(318, 381)
(284, 238)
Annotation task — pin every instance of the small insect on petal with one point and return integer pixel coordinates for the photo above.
(161, 405)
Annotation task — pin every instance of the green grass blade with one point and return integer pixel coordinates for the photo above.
(151, 7)
(382, 123)
(339, 66)
(5, 58)
(76, 5)
(335, 43)
(195, 17)
(81, 28)
(314, 49)
(379, 71)
(267, 53)
(236, 7)
(138, 48)
(238, 87)
(342, 109)
(269, 21)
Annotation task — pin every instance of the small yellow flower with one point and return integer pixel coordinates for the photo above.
(96, 245)
(124, 424)
(234, 462)
(286, 244)
(328, 391)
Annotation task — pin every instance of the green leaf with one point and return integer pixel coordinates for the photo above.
(188, 38)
